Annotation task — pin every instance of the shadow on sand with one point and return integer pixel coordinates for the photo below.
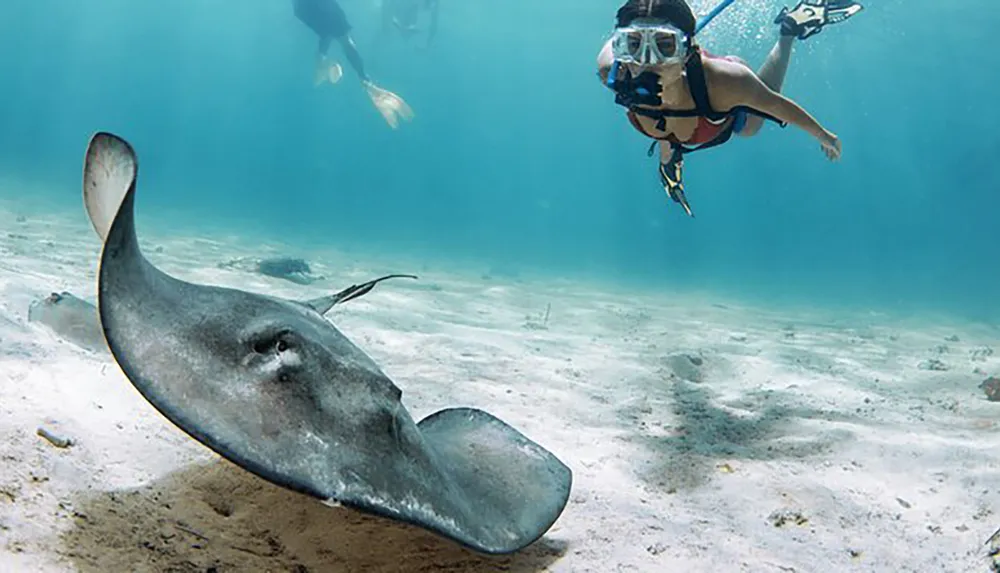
(219, 518)
(704, 435)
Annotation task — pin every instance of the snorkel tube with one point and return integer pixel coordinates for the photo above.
(704, 20)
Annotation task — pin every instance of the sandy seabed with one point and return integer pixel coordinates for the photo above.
(703, 435)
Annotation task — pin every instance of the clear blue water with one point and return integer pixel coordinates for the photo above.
(518, 156)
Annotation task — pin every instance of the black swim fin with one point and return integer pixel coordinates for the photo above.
(671, 177)
(809, 17)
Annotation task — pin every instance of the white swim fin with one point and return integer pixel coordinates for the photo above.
(391, 106)
(327, 70)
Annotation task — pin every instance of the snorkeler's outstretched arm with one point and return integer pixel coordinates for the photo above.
(748, 89)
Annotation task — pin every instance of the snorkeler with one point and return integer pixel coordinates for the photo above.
(688, 99)
(404, 14)
(327, 19)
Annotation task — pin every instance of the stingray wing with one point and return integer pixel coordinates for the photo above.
(500, 468)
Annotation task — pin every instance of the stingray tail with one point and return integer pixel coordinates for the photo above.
(323, 304)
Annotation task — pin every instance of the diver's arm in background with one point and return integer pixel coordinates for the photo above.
(604, 61)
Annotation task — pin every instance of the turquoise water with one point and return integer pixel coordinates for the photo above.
(517, 156)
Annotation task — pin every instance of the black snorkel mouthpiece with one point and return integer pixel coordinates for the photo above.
(643, 89)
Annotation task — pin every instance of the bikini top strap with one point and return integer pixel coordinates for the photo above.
(695, 71)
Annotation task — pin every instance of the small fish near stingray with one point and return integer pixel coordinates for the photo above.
(274, 387)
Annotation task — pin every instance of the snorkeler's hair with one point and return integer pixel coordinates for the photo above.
(677, 12)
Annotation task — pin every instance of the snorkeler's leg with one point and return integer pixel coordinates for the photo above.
(326, 70)
(353, 56)
(772, 73)
(804, 20)
(389, 105)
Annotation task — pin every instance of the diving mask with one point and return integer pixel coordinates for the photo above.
(649, 45)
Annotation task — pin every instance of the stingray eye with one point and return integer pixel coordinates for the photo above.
(272, 342)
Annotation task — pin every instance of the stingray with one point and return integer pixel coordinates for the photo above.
(71, 318)
(288, 268)
(273, 386)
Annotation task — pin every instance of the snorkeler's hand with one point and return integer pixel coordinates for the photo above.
(831, 146)
(391, 106)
